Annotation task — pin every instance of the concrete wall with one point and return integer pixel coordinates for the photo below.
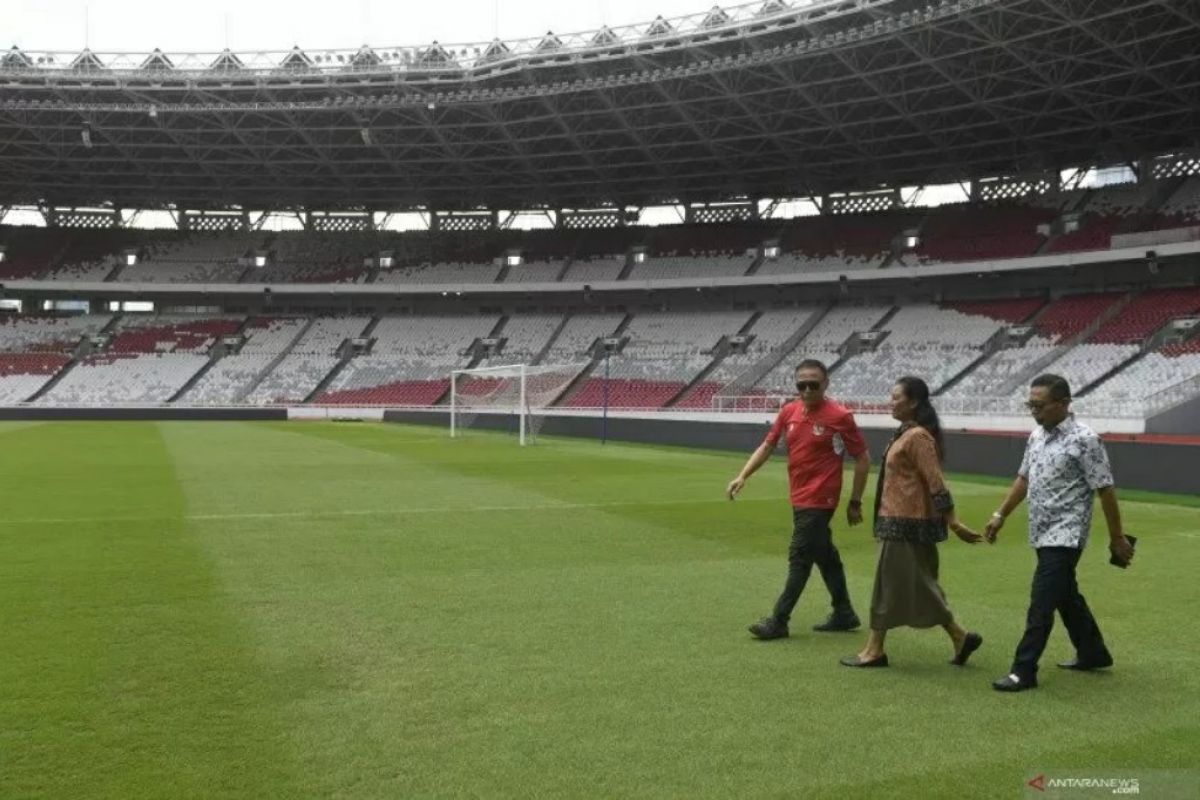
(149, 413)
(1183, 419)
(1137, 464)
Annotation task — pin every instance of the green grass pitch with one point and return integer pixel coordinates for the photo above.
(267, 610)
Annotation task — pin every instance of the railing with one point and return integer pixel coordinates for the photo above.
(455, 56)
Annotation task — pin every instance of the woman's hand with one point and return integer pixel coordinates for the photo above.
(963, 532)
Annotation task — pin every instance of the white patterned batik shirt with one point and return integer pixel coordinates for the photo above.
(1064, 466)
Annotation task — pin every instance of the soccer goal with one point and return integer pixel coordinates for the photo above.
(518, 392)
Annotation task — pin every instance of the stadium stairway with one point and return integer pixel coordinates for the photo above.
(347, 356)
(549, 345)
(718, 356)
(115, 274)
(751, 377)
(214, 355)
(756, 264)
(699, 379)
(990, 346)
(1138, 356)
(1163, 189)
(82, 351)
(1035, 368)
(502, 275)
(581, 379)
(269, 368)
(628, 268)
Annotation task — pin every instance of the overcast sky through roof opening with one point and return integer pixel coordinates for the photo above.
(250, 25)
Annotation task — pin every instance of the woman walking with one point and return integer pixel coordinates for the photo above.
(913, 509)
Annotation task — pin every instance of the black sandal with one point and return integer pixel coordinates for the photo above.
(971, 643)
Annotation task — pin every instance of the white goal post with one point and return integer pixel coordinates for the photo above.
(522, 391)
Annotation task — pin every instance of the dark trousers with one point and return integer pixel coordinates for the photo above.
(812, 543)
(1055, 589)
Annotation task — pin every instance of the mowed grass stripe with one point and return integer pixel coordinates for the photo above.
(121, 673)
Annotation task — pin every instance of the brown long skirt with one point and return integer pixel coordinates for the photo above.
(906, 587)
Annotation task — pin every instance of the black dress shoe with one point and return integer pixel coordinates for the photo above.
(1086, 666)
(1014, 683)
(970, 645)
(855, 661)
(838, 622)
(769, 628)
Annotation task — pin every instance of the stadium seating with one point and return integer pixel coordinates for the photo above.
(442, 273)
(198, 258)
(33, 332)
(29, 252)
(228, 381)
(1015, 310)
(166, 334)
(114, 379)
(1183, 207)
(525, 335)
(22, 374)
(672, 267)
(1069, 315)
(535, 272)
(770, 331)
(1146, 314)
(822, 343)
(971, 233)
(994, 377)
(594, 270)
(665, 351)
(410, 361)
(84, 271)
(932, 343)
(309, 361)
(1153, 376)
(293, 379)
(1107, 209)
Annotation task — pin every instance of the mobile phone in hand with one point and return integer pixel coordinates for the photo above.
(1116, 562)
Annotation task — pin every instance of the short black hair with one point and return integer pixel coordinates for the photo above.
(1057, 384)
(812, 363)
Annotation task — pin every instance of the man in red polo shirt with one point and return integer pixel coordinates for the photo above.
(818, 432)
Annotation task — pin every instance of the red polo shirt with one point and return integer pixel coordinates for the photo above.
(816, 442)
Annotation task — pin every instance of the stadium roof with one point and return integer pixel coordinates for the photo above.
(772, 99)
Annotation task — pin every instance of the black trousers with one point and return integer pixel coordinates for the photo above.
(812, 543)
(1055, 589)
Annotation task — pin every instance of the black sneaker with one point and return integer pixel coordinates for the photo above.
(838, 622)
(769, 628)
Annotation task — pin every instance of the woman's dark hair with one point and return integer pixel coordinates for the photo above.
(917, 390)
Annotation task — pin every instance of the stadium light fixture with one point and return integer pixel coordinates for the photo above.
(86, 135)
(153, 112)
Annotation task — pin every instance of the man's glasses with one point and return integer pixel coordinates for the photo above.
(1038, 405)
(808, 386)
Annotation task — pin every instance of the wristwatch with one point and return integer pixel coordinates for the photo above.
(998, 515)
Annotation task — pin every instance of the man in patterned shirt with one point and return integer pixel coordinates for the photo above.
(1064, 466)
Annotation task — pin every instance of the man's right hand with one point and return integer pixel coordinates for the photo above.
(992, 529)
(735, 487)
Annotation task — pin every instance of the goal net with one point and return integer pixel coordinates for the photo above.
(512, 397)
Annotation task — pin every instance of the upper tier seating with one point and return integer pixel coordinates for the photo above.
(1146, 314)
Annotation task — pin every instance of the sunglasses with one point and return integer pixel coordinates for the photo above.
(808, 386)
(1034, 405)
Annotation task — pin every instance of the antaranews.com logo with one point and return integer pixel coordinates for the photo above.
(1157, 784)
(1044, 783)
